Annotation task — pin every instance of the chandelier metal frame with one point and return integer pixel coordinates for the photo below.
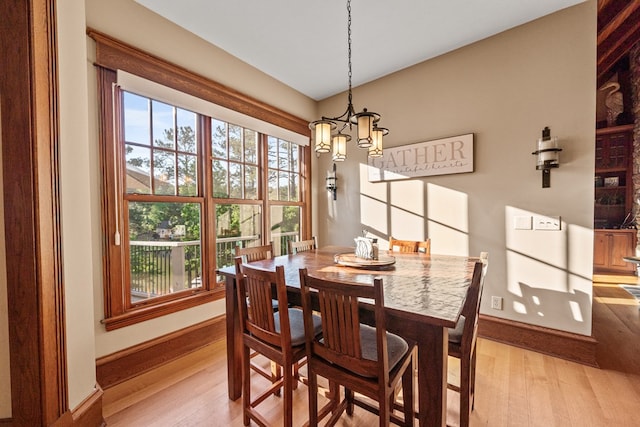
(369, 134)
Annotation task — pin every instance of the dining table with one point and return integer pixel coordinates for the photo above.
(423, 298)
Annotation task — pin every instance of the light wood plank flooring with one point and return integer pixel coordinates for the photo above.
(514, 387)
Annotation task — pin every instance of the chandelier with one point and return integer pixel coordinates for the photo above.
(369, 134)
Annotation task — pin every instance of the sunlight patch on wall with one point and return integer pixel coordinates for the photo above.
(408, 196)
(373, 215)
(580, 262)
(448, 207)
(544, 246)
(544, 290)
(407, 210)
(407, 225)
(531, 272)
(575, 311)
(548, 274)
(375, 190)
(447, 241)
(448, 220)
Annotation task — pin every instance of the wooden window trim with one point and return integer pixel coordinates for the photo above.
(33, 244)
(113, 55)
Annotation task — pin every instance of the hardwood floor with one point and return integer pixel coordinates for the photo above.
(514, 387)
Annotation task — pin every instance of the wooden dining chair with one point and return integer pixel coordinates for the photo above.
(302, 245)
(462, 342)
(256, 253)
(279, 336)
(396, 245)
(363, 359)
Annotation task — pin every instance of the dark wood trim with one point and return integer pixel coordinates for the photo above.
(112, 263)
(614, 129)
(142, 314)
(133, 361)
(89, 412)
(116, 55)
(618, 32)
(30, 132)
(565, 345)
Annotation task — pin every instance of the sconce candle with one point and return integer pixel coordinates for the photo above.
(548, 152)
(548, 156)
(332, 182)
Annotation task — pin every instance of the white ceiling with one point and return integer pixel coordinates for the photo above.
(303, 43)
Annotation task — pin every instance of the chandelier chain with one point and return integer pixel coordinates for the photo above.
(349, 45)
(369, 134)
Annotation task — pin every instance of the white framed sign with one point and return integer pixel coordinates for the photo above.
(438, 157)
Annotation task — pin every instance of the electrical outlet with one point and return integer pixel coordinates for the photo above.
(496, 303)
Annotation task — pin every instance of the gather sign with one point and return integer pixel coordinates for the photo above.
(437, 157)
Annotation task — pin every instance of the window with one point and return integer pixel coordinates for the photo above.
(162, 199)
(234, 161)
(183, 187)
(284, 193)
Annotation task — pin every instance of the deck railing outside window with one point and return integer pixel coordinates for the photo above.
(164, 267)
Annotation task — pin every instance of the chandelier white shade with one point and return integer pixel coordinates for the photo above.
(340, 147)
(375, 150)
(322, 135)
(368, 134)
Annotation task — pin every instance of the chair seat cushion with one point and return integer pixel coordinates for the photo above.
(455, 334)
(396, 346)
(296, 323)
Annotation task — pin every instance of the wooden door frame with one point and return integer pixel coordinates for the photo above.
(30, 133)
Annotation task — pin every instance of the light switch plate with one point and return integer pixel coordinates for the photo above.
(522, 222)
(548, 223)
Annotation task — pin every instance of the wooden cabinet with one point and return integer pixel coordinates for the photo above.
(610, 246)
(613, 177)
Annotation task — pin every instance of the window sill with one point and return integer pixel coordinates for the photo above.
(143, 314)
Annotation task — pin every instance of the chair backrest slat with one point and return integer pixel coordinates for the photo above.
(255, 293)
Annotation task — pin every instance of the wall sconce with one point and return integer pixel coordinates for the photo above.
(548, 157)
(332, 181)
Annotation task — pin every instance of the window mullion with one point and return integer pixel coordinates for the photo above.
(206, 192)
(263, 186)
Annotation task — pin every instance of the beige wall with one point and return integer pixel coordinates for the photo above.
(77, 235)
(505, 90)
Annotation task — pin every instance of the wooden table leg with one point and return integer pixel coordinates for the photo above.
(433, 346)
(234, 341)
